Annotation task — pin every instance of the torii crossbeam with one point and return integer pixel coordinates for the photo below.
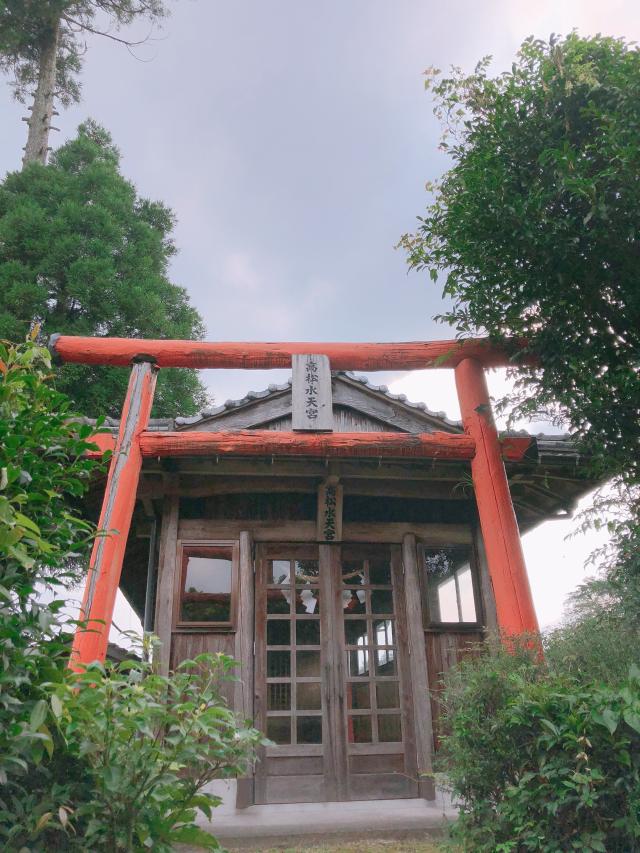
(480, 444)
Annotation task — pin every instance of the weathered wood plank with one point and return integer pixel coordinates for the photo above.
(396, 414)
(488, 601)
(194, 530)
(185, 646)
(295, 789)
(245, 627)
(409, 723)
(372, 468)
(244, 652)
(311, 393)
(381, 786)
(196, 486)
(414, 355)
(260, 411)
(334, 741)
(330, 499)
(436, 445)
(418, 667)
(259, 681)
(444, 650)
(167, 567)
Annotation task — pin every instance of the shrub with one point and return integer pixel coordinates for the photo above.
(540, 760)
(113, 758)
(43, 539)
(146, 745)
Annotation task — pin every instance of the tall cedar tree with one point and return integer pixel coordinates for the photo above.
(42, 47)
(536, 228)
(82, 254)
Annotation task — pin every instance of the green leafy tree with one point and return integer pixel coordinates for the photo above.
(42, 46)
(81, 253)
(536, 229)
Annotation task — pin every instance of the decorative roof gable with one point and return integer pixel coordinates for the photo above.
(358, 406)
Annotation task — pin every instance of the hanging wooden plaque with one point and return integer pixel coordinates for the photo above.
(311, 393)
(330, 512)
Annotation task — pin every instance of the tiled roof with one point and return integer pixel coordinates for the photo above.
(272, 390)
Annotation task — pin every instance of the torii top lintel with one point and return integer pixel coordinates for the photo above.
(479, 444)
(413, 355)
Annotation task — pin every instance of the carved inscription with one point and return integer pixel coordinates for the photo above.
(330, 513)
(311, 393)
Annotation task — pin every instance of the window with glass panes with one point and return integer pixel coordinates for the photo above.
(451, 585)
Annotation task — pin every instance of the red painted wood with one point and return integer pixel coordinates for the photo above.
(105, 565)
(254, 442)
(514, 603)
(105, 441)
(514, 448)
(415, 355)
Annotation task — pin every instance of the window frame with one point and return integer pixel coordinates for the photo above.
(208, 548)
(431, 624)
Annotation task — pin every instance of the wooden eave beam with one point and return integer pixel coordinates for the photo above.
(414, 355)
(258, 442)
(274, 443)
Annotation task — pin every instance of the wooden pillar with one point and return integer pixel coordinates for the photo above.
(514, 604)
(244, 654)
(167, 567)
(333, 676)
(418, 668)
(105, 566)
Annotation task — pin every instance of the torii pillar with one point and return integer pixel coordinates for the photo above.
(91, 640)
(514, 603)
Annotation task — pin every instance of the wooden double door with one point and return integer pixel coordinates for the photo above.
(332, 689)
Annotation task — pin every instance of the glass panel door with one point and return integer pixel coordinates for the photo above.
(331, 683)
(289, 674)
(376, 715)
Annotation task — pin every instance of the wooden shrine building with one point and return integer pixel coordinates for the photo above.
(343, 544)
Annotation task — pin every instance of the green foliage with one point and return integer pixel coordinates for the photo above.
(112, 758)
(82, 254)
(542, 761)
(43, 470)
(601, 635)
(143, 748)
(26, 27)
(536, 229)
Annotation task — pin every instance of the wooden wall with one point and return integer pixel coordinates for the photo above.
(186, 646)
(444, 650)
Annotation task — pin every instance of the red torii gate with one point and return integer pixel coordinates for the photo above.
(479, 444)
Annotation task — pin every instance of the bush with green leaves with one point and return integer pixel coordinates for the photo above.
(146, 746)
(541, 760)
(43, 539)
(112, 758)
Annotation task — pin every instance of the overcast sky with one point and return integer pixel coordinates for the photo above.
(293, 141)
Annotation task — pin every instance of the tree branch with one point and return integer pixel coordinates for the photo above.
(87, 28)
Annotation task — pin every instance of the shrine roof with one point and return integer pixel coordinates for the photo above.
(272, 390)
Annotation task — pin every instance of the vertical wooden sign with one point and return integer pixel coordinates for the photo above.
(330, 512)
(312, 409)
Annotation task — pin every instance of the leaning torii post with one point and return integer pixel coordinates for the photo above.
(92, 638)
